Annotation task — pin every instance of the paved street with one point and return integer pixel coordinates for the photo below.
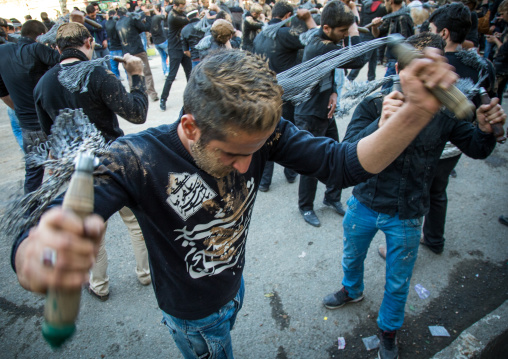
(290, 266)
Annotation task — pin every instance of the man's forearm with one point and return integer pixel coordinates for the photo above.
(8, 101)
(378, 150)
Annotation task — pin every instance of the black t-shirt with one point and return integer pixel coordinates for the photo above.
(317, 105)
(114, 42)
(176, 22)
(157, 29)
(191, 37)
(105, 99)
(21, 66)
(196, 225)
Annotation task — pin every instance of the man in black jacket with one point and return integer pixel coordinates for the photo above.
(395, 200)
(370, 10)
(22, 65)
(401, 24)
(129, 28)
(159, 37)
(282, 54)
(452, 22)
(176, 22)
(316, 114)
(104, 99)
(192, 36)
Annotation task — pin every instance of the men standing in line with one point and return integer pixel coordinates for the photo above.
(22, 65)
(129, 28)
(395, 200)
(176, 22)
(316, 115)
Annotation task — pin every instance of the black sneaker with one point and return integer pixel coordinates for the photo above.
(339, 299)
(264, 188)
(163, 104)
(335, 205)
(310, 217)
(388, 348)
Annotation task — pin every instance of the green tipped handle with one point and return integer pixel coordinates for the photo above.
(62, 307)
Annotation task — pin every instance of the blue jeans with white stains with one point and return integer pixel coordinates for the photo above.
(402, 241)
(209, 337)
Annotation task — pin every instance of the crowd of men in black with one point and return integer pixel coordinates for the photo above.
(409, 195)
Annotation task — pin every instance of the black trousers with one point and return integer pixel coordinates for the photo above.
(33, 175)
(308, 185)
(176, 57)
(288, 113)
(372, 56)
(434, 224)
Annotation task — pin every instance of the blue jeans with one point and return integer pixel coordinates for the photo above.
(209, 337)
(15, 126)
(114, 64)
(390, 70)
(163, 51)
(402, 240)
(143, 40)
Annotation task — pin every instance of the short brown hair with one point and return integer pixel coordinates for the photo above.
(233, 89)
(71, 35)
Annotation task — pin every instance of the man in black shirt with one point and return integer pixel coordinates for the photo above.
(104, 99)
(452, 22)
(129, 28)
(21, 67)
(176, 22)
(370, 10)
(316, 114)
(100, 35)
(159, 37)
(395, 200)
(252, 24)
(192, 36)
(282, 54)
(46, 21)
(114, 43)
(402, 24)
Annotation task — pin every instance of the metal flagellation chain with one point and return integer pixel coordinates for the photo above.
(203, 25)
(71, 134)
(271, 30)
(355, 92)
(204, 43)
(49, 38)
(77, 76)
(299, 81)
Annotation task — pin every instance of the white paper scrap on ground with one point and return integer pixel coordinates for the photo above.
(302, 255)
(342, 343)
(422, 292)
(371, 342)
(438, 331)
